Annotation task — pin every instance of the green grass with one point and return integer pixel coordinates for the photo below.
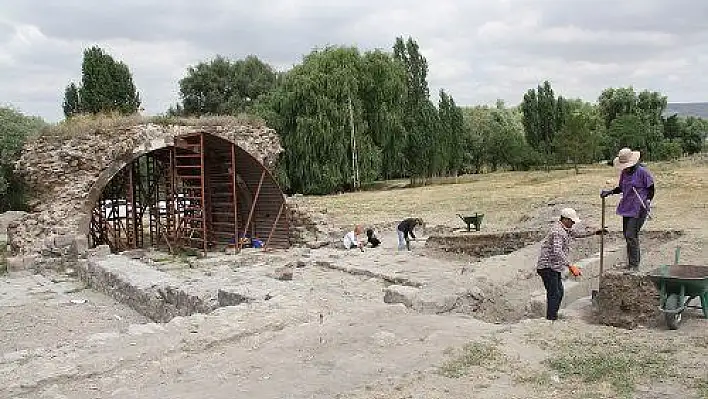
(702, 387)
(473, 354)
(608, 360)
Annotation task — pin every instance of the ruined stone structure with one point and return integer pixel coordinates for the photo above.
(67, 172)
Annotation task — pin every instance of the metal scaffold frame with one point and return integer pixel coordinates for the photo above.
(188, 196)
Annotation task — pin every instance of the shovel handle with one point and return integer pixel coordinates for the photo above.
(602, 241)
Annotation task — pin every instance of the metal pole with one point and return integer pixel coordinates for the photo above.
(205, 231)
(275, 223)
(234, 192)
(253, 208)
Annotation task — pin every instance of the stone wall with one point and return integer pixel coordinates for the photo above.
(67, 172)
(484, 245)
(310, 227)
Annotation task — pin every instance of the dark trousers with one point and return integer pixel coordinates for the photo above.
(554, 291)
(630, 228)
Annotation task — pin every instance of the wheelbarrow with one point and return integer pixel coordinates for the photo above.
(475, 220)
(678, 286)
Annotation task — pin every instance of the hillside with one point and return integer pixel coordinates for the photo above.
(687, 109)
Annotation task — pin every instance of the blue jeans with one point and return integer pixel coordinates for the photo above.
(554, 291)
(403, 242)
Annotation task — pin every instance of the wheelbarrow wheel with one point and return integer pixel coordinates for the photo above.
(673, 319)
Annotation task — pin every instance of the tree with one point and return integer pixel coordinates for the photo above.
(452, 130)
(15, 128)
(71, 101)
(106, 86)
(581, 135)
(311, 112)
(383, 96)
(615, 102)
(224, 87)
(693, 134)
(495, 139)
(672, 127)
(543, 117)
(420, 115)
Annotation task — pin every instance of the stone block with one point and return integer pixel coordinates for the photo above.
(21, 263)
(231, 297)
(403, 294)
(81, 244)
(284, 273)
(434, 303)
(63, 241)
(101, 250)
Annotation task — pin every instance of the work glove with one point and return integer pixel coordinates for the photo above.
(575, 270)
(605, 193)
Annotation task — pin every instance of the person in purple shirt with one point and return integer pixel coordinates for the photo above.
(636, 185)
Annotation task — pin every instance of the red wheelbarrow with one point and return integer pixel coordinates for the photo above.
(678, 286)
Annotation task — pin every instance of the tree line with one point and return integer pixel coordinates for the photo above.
(347, 117)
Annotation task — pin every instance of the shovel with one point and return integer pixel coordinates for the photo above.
(594, 293)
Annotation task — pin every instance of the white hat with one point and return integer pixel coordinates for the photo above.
(569, 213)
(626, 158)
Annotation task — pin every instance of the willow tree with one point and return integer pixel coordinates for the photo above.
(315, 108)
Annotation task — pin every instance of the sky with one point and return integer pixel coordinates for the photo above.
(477, 50)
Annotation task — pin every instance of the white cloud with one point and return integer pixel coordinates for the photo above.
(478, 50)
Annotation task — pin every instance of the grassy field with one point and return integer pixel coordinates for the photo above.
(509, 198)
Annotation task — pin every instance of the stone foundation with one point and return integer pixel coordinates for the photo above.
(152, 293)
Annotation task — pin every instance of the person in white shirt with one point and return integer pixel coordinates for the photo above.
(351, 239)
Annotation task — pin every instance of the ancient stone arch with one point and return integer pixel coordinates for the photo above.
(69, 168)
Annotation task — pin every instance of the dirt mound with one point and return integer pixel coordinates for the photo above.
(627, 300)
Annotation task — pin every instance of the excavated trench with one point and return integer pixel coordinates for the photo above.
(493, 277)
(503, 265)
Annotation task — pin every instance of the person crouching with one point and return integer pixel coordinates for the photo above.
(351, 239)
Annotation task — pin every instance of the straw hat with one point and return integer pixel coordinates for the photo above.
(626, 158)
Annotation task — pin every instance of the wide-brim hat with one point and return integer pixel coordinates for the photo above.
(626, 158)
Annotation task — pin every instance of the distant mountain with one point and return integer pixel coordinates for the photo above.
(687, 109)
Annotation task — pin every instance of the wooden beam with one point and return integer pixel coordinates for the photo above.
(234, 193)
(205, 232)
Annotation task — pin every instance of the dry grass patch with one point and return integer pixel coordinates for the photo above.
(82, 125)
(614, 361)
(510, 198)
(474, 354)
